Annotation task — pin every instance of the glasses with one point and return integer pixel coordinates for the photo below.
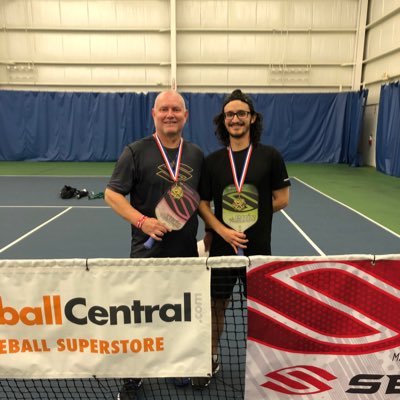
(241, 114)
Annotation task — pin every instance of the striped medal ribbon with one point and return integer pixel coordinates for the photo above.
(176, 189)
(239, 202)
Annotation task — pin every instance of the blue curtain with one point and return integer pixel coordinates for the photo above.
(388, 130)
(57, 126)
(319, 128)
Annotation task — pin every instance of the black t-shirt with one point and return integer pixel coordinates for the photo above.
(266, 172)
(141, 173)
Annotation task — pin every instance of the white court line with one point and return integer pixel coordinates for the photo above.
(348, 207)
(316, 248)
(34, 230)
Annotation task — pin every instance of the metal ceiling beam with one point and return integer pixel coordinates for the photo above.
(359, 45)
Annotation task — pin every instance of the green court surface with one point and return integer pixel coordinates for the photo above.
(364, 189)
(371, 193)
(56, 168)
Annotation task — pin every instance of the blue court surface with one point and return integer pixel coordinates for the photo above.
(37, 224)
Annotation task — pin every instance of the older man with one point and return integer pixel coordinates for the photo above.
(146, 170)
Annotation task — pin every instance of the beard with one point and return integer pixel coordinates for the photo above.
(240, 133)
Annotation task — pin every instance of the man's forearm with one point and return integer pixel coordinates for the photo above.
(122, 207)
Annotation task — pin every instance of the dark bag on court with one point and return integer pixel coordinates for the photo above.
(68, 192)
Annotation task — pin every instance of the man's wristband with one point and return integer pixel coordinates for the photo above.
(140, 221)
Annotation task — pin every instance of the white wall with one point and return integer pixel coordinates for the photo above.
(259, 45)
(78, 44)
(381, 63)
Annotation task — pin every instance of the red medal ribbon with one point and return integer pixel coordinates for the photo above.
(173, 174)
(239, 183)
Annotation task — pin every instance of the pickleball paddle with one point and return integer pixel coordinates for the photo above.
(175, 208)
(240, 210)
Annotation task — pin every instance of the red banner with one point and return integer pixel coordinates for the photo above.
(324, 328)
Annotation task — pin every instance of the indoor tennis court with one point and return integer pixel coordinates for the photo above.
(78, 83)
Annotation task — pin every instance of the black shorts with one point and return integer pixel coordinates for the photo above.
(223, 281)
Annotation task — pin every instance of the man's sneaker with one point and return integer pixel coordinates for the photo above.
(200, 383)
(130, 388)
(203, 382)
(180, 382)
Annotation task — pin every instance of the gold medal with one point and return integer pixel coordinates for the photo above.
(239, 204)
(177, 192)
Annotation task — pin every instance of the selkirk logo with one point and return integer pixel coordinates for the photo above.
(299, 380)
(327, 307)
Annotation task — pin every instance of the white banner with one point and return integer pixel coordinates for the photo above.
(105, 317)
(323, 328)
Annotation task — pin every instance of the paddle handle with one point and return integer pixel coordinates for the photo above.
(148, 244)
(240, 252)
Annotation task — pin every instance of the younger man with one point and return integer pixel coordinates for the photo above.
(243, 166)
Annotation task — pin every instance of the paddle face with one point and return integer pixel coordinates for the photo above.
(240, 211)
(176, 207)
